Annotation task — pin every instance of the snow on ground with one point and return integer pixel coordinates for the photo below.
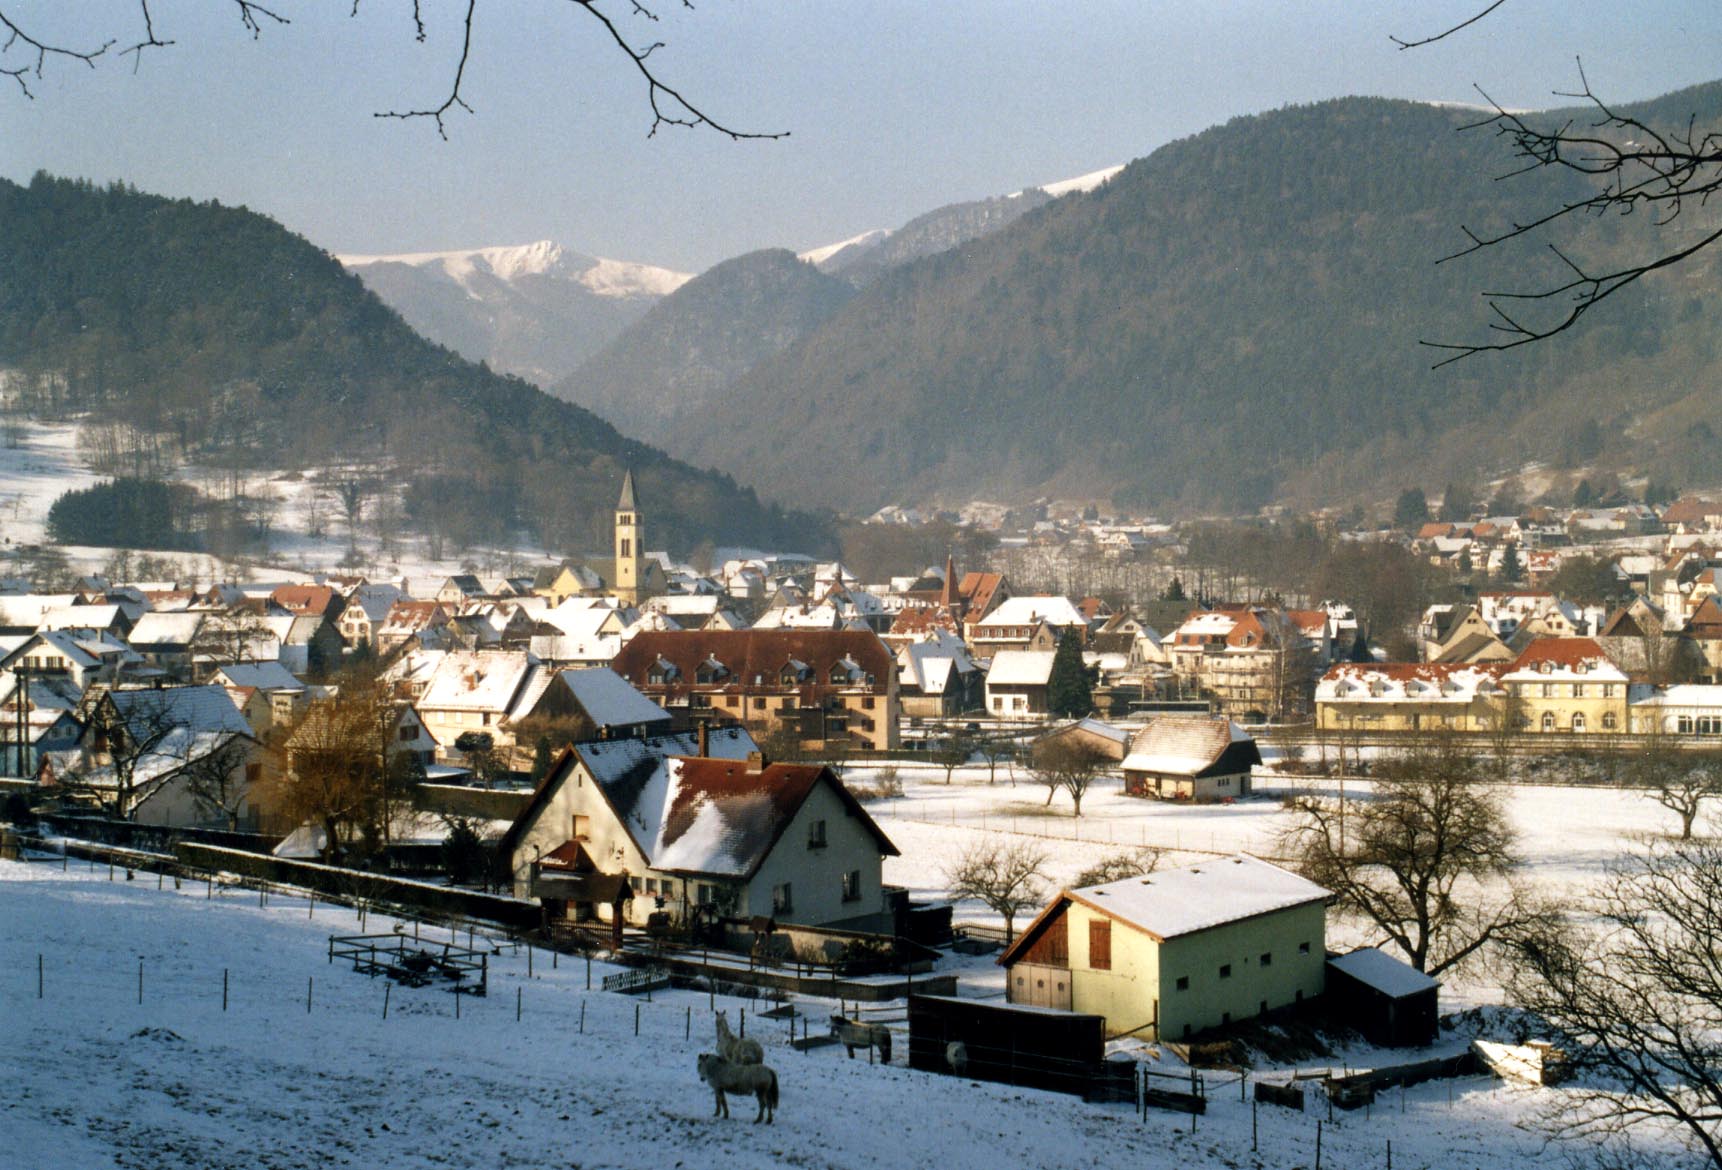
(97, 1080)
(33, 474)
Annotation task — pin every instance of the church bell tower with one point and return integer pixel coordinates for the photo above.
(630, 544)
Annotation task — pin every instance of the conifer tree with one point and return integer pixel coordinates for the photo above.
(1067, 691)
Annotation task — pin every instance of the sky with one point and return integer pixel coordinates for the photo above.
(893, 107)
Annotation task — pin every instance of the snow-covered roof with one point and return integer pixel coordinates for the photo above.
(1021, 668)
(1392, 977)
(609, 701)
(166, 629)
(1174, 902)
(1030, 610)
(1423, 682)
(264, 676)
(477, 680)
(1185, 745)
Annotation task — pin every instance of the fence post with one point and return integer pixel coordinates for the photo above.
(588, 970)
(1389, 1154)
(140, 981)
(517, 1005)
(688, 1030)
(387, 987)
(457, 998)
(529, 960)
(582, 1017)
(1253, 1146)
(224, 989)
(38, 974)
(309, 981)
(636, 1017)
(1318, 1145)
(743, 1035)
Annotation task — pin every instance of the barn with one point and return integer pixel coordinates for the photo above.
(1190, 757)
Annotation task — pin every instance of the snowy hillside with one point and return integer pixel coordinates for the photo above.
(113, 1068)
(536, 311)
(608, 278)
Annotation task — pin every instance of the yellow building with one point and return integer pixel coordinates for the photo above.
(1411, 696)
(1569, 686)
(630, 545)
(1169, 954)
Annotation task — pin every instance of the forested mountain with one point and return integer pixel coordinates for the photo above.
(1234, 319)
(670, 370)
(216, 331)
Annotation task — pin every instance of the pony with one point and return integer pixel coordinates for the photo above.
(727, 1077)
(853, 1034)
(736, 1049)
(957, 1056)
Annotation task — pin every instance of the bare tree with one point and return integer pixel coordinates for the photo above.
(1427, 859)
(130, 731)
(1067, 766)
(1632, 989)
(1629, 166)
(223, 639)
(1127, 863)
(994, 748)
(218, 780)
(1006, 878)
(1680, 781)
(955, 753)
(25, 56)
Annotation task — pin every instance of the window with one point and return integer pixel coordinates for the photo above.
(1303, 948)
(408, 731)
(1183, 983)
(1608, 690)
(708, 894)
(732, 701)
(1578, 722)
(1225, 781)
(1100, 944)
(867, 703)
(582, 827)
(1608, 721)
(782, 899)
(1548, 720)
(1267, 958)
(1225, 970)
(1548, 690)
(786, 705)
(816, 835)
(759, 704)
(852, 886)
(627, 547)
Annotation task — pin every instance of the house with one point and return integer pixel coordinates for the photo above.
(410, 619)
(367, 608)
(1566, 685)
(936, 677)
(164, 640)
(1684, 710)
(1257, 662)
(1018, 683)
(1458, 634)
(479, 690)
(614, 709)
(1190, 757)
(1172, 953)
(818, 686)
(1027, 623)
(150, 755)
(1411, 696)
(692, 826)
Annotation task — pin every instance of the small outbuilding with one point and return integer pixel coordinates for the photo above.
(1391, 1002)
(1093, 735)
(1190, 757)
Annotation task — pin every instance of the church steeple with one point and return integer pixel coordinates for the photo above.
(630, 544)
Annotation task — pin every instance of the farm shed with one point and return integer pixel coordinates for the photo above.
(1169, 954)
(1032, 1046)
(1392, 1003)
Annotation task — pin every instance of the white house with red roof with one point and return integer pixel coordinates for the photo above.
(1567, 686)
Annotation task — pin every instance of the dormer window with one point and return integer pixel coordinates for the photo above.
(661, 672)
(709, 671)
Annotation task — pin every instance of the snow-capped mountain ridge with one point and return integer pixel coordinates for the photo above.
(599, 275)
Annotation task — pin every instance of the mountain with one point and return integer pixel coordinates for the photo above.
(1236, 319)
(212, 334)
(535, 311)
(862, 258)
(672, 367)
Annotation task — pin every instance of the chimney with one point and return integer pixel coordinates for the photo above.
(705, 740)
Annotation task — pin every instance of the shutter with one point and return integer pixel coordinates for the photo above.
(1100, 944)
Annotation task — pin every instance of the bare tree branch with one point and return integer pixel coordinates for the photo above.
(17, 38)
(1448, 32)
(1635, 166)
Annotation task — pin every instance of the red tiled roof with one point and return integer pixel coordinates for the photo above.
(1410, 671)
(305, 599)
(746, 653)
(1560, 652)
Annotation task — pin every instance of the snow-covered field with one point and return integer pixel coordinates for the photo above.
(96, 1079)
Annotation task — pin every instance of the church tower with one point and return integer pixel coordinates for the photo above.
(630, 545)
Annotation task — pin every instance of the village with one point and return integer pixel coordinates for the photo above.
(1032, 838)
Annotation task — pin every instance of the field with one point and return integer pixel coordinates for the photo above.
(99, 1079)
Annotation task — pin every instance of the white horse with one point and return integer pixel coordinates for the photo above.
(737, 1049)
(957, 1056)
(727, 1077)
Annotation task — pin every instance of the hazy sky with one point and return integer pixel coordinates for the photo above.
(894, 107)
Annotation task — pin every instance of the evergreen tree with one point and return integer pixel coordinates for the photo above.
(540, 760)
(1067, 691)
(1584, 495)
(1512, 568)
(1174, 591)
(1412, 510)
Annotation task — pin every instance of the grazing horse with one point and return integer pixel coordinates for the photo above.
(726, 1077)
(853, 1034)
(736, 1049)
